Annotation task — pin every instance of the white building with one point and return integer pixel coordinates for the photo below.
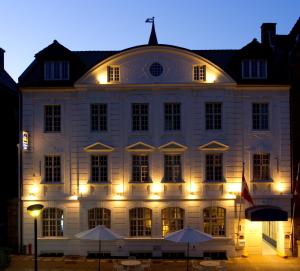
(153, 138)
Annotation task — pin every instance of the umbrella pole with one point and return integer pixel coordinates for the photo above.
(99, 255)
(187, 255)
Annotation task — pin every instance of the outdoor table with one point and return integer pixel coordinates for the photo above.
(130, 263)
(210, 264)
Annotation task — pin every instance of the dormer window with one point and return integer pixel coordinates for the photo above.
(254, 69)
(113, 74)
(199, 73)
(56, 70)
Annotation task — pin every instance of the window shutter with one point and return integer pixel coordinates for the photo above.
(108, 73)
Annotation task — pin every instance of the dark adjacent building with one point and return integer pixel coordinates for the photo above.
(9, 162)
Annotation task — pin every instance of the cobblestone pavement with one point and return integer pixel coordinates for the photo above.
(75, 263)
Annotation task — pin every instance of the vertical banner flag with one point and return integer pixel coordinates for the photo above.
(245, 190)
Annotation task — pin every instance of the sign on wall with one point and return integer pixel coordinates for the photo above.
(25, 140)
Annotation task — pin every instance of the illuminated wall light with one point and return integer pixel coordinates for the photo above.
(83, 189)
(234, 188)
(210, 78)
(74, 197)
(192, 188)
(102, 78)
(280, 188)
(33, 190)
(119, 190)
(156, 189)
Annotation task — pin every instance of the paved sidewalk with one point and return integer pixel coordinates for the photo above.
(75, 263)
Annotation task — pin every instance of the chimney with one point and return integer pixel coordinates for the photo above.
(1, 59)
(268, 31)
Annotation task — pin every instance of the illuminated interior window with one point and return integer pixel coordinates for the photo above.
(140, 221)
(53, 222)
(172, 219)
(214, 221)
(99, 216)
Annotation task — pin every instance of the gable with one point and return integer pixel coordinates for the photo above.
(98, 147)
(140, 147)
(135, 67)
(172, 146)
(213, 146)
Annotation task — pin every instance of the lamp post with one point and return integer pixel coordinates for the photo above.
(35, 210)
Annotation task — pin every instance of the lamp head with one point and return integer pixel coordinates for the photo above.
(35, 210)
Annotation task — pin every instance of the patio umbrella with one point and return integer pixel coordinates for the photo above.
(188, 236)
(99, 233)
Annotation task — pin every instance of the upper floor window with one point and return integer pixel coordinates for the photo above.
(156, 69)
(98, 216)
(172, 168)
(214, 167)
(254, 69)
(261, 166)
(213, 116)
(199, 73)
(113, 74)
(140, 117)
(52, 169)
(53, 222)
(214, 221)
(56, 70)
(99, 168)
(172, 116)
(52, 118)
(140, 168)
(172, 219)
(140, 221)
(260, 116)
(98, 117)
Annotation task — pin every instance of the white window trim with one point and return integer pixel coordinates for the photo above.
(258, 70)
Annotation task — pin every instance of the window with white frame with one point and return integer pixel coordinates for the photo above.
(52, 169)
(172, 116)
(56, 70)
(214, 167)
(53, 222)
(172, 168)
(261, 166)
(140, 168)
(52, 118)
(214, 219)
(140, 117)
(172, 219)
(213, 116)
(98, 117)
(99, 169)
(99, 216)
(254, 69)
(113, 74)
(140, 221)
(199, 73)
(260, 116)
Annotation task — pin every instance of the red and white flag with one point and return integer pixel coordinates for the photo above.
(297, 184)
(245, 193)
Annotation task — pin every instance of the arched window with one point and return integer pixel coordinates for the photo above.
(98, 216)
(53, 222)
(214, 220)
(172, 219)
(140, 221)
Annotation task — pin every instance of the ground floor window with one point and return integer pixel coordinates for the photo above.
(269, 232)
(53, 222)
(172, 219)
(214, 220)
(140, 221)
(98, 216)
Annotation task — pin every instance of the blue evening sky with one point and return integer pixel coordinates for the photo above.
(28, 26)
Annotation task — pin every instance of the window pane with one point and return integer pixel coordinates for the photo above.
(214, 221)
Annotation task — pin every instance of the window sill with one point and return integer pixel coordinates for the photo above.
(132, 182)
(262, 181)
(99, 183)
(214, 182)
(172, 182)
(54, 183)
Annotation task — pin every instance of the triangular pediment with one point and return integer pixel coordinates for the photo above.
(98, 147)
(140, 147)
(214, 146)
(172, 146)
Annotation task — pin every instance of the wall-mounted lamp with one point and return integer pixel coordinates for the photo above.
(33, 190)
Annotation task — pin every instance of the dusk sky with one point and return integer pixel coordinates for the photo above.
(28, 26)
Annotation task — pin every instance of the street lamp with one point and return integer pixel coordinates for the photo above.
(35, 210)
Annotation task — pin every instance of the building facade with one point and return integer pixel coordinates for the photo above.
(154, 138)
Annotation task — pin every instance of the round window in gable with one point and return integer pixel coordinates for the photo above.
(156, 69)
